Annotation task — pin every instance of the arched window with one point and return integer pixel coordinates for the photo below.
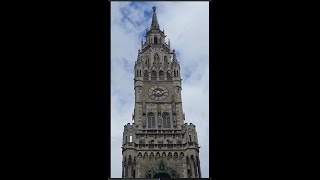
(140, 154)
(151, 120)
(169, 78)
(174, 72)
(166, 120)
(153, 75)
(181, 154)
(155, 40)
(163, 154)
(161, 75)
(146, 75)
(140, 72)
(156, 59)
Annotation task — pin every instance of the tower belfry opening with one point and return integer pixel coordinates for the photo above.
(158, 144)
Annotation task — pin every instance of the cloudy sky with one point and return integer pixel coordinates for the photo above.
(186, 24)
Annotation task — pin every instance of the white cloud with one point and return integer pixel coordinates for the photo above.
(187, 26)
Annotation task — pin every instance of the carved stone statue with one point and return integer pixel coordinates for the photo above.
(159, 120)
(174, 120)
(144, 121)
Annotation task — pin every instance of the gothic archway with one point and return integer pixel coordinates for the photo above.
(162, 175)
(161, 170)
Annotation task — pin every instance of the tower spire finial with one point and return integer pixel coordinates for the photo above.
(154, 23)
(174, 58)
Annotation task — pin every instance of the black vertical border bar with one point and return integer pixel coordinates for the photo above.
(103, 66)
(216, 45)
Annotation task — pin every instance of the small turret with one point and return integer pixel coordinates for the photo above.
(141, 44)
(174, 58)
(139, 57)
(154, 23)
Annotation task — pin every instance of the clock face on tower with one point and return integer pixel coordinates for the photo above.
(158, 92)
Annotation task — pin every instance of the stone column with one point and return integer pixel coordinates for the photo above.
(192, 168)
(123, 169)
(199, 170)
(126, 171)
(158, 76)
(129, 170)
(195, 169)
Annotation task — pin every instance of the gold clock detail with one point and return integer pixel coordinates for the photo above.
(158, 92)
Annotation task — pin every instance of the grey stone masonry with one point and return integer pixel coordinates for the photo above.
(159, 142)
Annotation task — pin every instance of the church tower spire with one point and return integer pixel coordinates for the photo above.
(158, 116)
(154, 23)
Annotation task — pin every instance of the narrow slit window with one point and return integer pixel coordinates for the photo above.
(189, 138)
(130, 138)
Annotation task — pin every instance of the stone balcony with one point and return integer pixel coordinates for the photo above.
(160, 146)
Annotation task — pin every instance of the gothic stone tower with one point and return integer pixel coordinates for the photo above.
(159, 143)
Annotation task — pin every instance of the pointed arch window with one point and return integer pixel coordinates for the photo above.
(161, 75)
(165, 60)
(151, 120)
(166, 120)
(156, 59)
(169, 78)
(155, 40)
(153, 75)
(146, 75)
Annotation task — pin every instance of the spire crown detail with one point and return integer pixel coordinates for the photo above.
(154, 23)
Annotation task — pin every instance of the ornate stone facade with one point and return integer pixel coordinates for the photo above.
(159, 143)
